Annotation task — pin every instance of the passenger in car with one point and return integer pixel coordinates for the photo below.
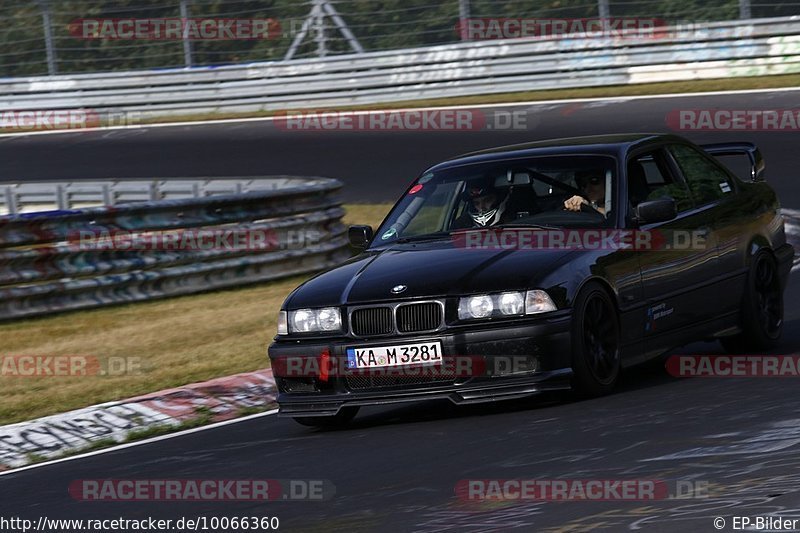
(593, 186)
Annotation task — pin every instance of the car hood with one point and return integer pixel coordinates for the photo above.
(429, 269)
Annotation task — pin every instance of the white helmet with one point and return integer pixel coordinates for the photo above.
(484, 216)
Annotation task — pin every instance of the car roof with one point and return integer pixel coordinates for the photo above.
(593, 144)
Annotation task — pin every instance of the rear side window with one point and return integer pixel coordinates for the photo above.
(649, 178)
(707, 182)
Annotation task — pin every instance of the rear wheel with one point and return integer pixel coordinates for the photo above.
(595, 342)
(761, 316)
(339, 420)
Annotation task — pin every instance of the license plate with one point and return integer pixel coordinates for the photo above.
(421, 353)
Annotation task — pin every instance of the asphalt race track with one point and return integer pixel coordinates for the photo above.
(375, 166)
(396, 469)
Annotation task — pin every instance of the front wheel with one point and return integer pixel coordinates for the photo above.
(339, 420)
(595, 342)
(761, 315)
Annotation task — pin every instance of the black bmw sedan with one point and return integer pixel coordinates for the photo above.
(543, 266)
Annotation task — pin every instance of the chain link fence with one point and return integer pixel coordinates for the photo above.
(40, 38)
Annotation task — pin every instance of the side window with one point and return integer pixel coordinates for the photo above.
(707, 181)
(649, 179)
(651, 171)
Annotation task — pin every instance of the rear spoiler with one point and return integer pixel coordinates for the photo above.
(740, 148)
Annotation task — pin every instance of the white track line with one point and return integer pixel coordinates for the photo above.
(141, 442)
(435, 108)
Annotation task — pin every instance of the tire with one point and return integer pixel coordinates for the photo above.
(595, 342)
(761, 315)
(340, 420)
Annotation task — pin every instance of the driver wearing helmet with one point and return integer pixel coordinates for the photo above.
(484, 206)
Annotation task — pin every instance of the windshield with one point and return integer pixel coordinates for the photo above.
(552, 191)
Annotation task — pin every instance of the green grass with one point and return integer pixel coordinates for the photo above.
(178, 341)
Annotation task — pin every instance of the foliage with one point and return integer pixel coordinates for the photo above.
(378, 25)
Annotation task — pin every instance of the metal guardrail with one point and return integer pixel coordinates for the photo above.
(69, 259)
(712, 50)
(38, 196)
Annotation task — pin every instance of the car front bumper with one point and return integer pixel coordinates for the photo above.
(516, 360)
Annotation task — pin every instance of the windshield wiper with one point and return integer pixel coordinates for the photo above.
(420, 238)
(443, 234)
(514, 225)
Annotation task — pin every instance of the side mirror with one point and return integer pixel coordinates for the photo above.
(359, 236)
(660, 210)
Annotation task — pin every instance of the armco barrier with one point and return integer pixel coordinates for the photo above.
(31, 197)
(711, 50)
(46, 267)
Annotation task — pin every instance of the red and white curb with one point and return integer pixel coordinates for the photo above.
(52, 436)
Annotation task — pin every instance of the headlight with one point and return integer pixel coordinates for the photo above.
(329, 319)
(538, 302)
(504, 304)
(308, 320)
(303, 320)
(511, 303)
(488, 305)
(475, 307)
